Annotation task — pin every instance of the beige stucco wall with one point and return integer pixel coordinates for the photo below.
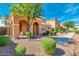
(54, 24)
(39, 27)
(14, 25)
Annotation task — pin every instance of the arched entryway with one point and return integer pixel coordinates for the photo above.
(23, 26)
(35, 28)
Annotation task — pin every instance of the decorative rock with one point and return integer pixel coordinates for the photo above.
(77, 50)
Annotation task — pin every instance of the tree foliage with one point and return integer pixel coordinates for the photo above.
(69, 24)
(31, 11)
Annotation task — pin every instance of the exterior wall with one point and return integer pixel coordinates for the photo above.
(10, 27)
(54, 24)
(42, 28)
(42, 23)
(57, 24)
(14, 28)
(10, 30)
(38, 25)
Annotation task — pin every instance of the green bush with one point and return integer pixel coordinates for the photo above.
(49, 46)
(28, 34)
(63, 31)
(4, 40)
(54, 32)
(46, 33)
(77, 31)
(20, 50)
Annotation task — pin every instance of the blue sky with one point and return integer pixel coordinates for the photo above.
(62, 11)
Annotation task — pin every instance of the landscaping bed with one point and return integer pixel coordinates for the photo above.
(34, 48)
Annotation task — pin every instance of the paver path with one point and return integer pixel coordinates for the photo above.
(33, 46)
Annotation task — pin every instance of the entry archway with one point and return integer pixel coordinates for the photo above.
(35, 28)
(23, 26)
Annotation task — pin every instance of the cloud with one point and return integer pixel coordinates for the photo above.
(72, 9)
(61, 18)
(74, 20)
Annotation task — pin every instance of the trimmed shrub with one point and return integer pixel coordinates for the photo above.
(49, 46)
(4, 40)
(47, 33)
(20, 50)
(54, 32)
(28, 34)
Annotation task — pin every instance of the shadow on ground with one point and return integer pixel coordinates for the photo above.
(8, 50)
(37, 36)
(59, 52)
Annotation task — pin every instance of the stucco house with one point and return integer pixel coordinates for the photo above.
(54, 23)
(18, 25)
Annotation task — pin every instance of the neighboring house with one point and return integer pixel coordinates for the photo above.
(63, 27)
(54, 23)
(19, 25)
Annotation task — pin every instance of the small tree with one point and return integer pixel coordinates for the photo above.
(29, 11)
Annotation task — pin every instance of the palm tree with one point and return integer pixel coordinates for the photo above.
(31, 11)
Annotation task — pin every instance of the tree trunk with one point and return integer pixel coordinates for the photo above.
(29, 27)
